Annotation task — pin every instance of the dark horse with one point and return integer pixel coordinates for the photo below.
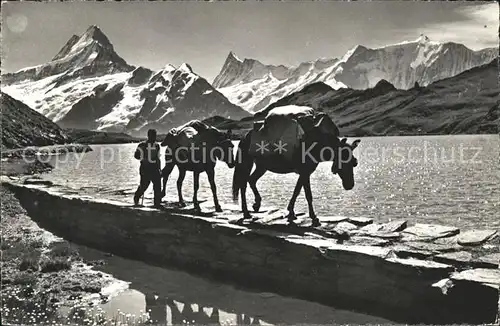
(198, 155)
(315, 146)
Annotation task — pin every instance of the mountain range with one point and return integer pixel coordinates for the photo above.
(412, 87)
(253, 85)
(463, 104)
(87, 85)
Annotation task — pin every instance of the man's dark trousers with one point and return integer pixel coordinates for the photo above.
(149, 173)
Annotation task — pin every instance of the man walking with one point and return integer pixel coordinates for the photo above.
(148, 152)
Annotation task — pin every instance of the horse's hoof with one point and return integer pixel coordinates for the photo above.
(197, 208)
(256, 206)
(315, 222)
(218, 209)
(291, 217)
(240, 221)
(182, 204)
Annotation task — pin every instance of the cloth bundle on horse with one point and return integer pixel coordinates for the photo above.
(282, 131)
(196, 146)
(312, 137)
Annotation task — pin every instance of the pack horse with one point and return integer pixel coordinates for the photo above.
(300, 139)
(196, 146)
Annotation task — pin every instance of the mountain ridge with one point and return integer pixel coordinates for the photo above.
(465, 103)
(90, 54)
(87, 85)
(23, 126)
(403, 64)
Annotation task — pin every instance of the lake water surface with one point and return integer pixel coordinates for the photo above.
(433, 179)
(436, 179)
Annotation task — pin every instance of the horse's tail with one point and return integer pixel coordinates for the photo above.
(243, 165)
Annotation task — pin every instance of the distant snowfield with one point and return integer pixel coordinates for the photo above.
(55, 102)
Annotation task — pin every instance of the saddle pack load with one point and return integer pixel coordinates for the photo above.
(281, 132)
(190, 136)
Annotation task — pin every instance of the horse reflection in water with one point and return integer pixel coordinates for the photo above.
(158, 314)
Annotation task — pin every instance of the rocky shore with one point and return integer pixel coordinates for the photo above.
(426, 273)
(42, 274)
(28, 152)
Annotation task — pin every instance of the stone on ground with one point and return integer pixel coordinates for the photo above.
(475, 237)
(333, 219)
(431, 231)
(459, 257)
(493, 259)
(487, 276)
(360, 221)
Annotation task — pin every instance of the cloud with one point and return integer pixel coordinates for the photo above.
(478, 29)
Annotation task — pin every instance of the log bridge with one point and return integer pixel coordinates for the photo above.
(417, 273)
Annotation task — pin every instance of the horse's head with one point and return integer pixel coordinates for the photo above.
(344, 163)
(224, 152)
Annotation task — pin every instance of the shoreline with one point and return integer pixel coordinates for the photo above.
(35, 151)
(67, 291)
(43, 274)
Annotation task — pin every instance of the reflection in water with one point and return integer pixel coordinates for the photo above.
(173, 297)
(167, 311)
(170, 312)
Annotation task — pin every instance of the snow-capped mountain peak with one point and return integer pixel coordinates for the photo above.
(420, 60)
(254, 85)
(169, 67)
(90, 54)
(87, 85)
(233, 57)
(92, 36)
(403, 64)
(185, 68)
(423, 39)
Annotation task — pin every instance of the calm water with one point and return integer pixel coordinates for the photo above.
(433, 179)
(173, 298)
(442, 179)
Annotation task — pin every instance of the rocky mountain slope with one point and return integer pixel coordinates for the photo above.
(253, 85)
(22, 126)
(463, 104)
(87, 85)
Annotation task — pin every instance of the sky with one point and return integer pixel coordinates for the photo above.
(154, 34)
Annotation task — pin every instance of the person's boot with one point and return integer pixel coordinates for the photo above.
(157, 204)
(136, 201)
